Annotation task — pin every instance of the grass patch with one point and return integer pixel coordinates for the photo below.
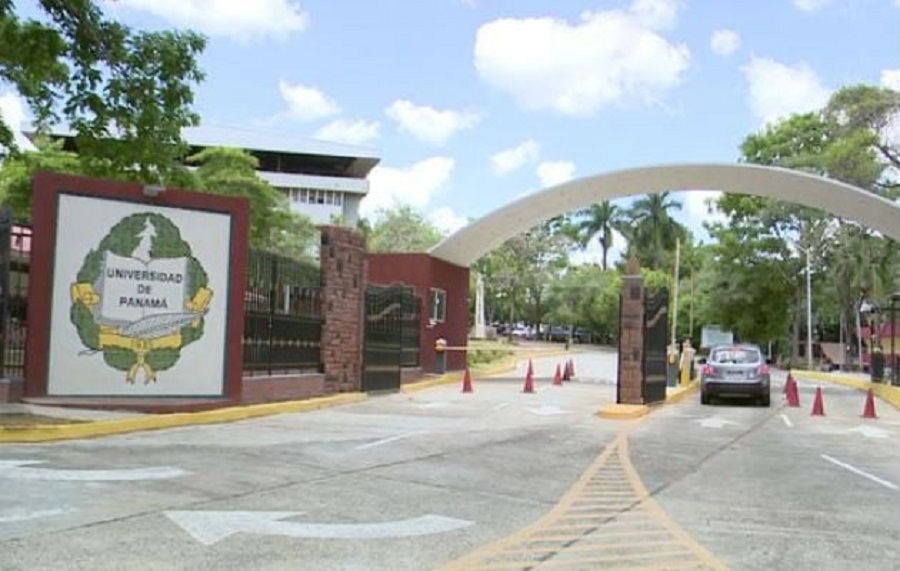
(481, 353)
(24, 419)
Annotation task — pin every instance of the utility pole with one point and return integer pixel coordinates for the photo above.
(691, 312)
(809, 347)
(675, 291)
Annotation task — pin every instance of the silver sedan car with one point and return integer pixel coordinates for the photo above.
(738, 370)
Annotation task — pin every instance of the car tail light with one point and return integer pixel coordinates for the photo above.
(762, 370)
(707, 371)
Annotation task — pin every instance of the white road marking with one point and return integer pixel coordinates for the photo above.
(787, 421)
(714, 422)
(869, 431)
(547, 410)
(212, 526)
(20, 470)
(387, 440)
(438, 404)
(859, 472)
(25, 516)
(501, 406)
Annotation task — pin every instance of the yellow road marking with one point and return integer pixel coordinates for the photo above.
(597, 525)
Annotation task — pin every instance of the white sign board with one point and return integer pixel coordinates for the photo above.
(139, 302)
(713, 335)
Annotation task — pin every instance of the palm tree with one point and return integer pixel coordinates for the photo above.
(599, 220)
(654, 231)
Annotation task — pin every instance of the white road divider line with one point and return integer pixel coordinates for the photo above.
(787, 421)
(859, 472)
(387, 440)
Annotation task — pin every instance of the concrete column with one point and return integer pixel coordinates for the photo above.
(480, 326)
(631, 337)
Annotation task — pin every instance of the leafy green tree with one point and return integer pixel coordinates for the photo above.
(16, 173)
(126, 94)
(401, 229)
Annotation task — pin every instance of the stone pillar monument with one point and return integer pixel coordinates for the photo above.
(480, 327)
(631, 336)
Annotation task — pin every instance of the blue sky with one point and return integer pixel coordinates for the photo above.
(567, 89)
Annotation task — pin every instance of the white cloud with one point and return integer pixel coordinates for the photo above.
(724, 42)
(234, 18)
(593, 253)
(307, 103)
(514, 158)
(446, 220)
(350, 131)
(414, 185)
(778, 90)
(552, 173)
(890, 78)
(429, 124)
(810, 5)
(607, 57)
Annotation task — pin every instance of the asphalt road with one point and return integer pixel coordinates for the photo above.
(496, 479)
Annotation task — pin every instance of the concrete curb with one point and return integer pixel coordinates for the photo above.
(55, 432)
(887, 393)
(481, 374)
(633, 411)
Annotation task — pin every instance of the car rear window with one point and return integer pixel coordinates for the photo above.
(735, 355)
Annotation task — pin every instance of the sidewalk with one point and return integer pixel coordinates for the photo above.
(859, 381)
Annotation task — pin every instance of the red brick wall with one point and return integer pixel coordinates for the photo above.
(282, 388)
(631, 341)
(344, 273)
(423, 272)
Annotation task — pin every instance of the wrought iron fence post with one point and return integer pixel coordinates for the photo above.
(273, 289)
(5, 255)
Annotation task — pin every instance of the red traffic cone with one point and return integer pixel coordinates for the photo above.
(557, 376)
(790, 381)
(528, 387)
(566, 376)
(792, 393)
(467, 382)
(869, 409)
(818, 408)
(571, 368)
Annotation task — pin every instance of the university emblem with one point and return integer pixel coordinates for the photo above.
(140, 297)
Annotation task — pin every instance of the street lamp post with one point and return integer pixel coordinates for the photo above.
(895, 297)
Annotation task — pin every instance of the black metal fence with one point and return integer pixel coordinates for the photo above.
(15, 254)
(282, 315)
(391, 331)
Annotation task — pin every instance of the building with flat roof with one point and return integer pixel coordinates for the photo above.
(321, 179)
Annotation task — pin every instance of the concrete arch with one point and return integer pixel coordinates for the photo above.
(471, 242)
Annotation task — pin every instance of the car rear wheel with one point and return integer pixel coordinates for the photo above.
(765, 401)
(704, 398)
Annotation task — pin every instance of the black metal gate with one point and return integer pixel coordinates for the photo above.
(15, 251)
(391, 322)
(656, 327)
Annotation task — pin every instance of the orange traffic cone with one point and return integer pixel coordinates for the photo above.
(818, 408)
(528, 387)
(869, 409)
(557, 376)
(571, 368)
(467, 382)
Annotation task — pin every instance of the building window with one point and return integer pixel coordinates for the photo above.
(437, 305)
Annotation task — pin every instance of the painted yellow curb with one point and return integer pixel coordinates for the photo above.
(51, 432)
(888, 393)
(677, 394)
(479, 373)
(623, 411)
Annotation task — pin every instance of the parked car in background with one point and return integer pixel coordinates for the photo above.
(735, 371)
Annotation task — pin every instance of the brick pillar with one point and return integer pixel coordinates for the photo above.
(344, 277)
(631, 337)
